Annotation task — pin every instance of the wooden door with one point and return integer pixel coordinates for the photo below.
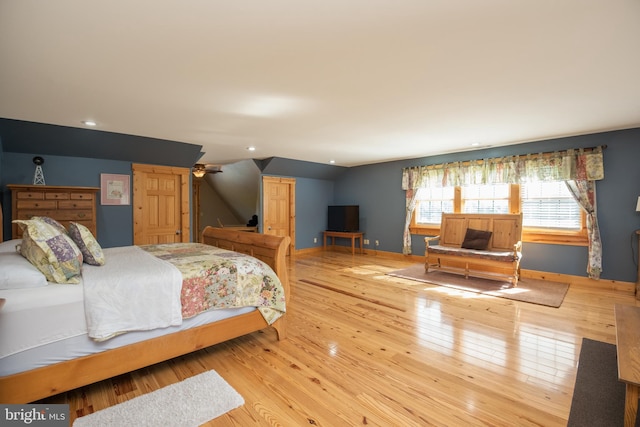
(279, 211)
(160, 204)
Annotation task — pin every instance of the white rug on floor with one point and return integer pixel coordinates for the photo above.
(189, 403)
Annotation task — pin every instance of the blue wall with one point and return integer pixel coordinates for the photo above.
(377, 189)
(312, 198)
(115, 223)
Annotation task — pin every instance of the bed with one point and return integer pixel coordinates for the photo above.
(133, 350)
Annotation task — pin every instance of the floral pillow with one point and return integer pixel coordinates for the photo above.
(51, 251)
(90, 248)
(52, 222)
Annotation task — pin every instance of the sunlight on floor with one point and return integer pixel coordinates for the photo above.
(543, 358)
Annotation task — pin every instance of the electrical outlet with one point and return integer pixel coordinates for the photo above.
(315, 240)
(377, 242)
(366, 241)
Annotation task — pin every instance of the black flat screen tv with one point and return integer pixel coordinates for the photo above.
(343, 218)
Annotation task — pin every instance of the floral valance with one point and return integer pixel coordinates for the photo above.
(573, 164)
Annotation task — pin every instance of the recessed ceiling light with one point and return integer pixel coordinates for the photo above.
(333, 162)
(89, 123)
(251, 148)
(475, 144)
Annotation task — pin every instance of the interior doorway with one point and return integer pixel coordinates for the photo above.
(160, 204)
(279, 207)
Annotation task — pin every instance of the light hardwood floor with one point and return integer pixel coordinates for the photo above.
(365, 348)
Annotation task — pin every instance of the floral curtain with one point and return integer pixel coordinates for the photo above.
(575, 165)
(410, 207)
(558, 166)
(585, 194)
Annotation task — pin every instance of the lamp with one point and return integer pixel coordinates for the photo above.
(199, 171)
(638, 205)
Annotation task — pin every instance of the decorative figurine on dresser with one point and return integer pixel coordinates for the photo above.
(64, 204)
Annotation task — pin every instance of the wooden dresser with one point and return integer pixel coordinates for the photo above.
(64, 204)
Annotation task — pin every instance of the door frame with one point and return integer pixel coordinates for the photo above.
(139, 170)
(291, 226)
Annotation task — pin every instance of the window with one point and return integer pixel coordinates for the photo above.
(549, 212)
(485, 199)
(431, 202)
(549, 205)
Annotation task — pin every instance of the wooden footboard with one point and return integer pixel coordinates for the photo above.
(39, 383)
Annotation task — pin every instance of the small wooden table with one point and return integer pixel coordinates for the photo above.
(353, 235)
(627, 345)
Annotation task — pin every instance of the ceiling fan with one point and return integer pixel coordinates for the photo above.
(200, 169)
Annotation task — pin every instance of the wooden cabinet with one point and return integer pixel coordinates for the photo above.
(64, 204)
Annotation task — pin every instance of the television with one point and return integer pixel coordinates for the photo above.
(343, 218)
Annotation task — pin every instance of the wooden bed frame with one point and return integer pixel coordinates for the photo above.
(29, 386)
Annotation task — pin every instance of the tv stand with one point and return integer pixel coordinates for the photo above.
(353, 235)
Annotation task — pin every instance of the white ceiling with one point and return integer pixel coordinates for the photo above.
(355, 81)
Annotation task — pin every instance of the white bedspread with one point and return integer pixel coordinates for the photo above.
(133, 291)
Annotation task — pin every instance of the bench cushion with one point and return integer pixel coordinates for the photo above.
(506, 256)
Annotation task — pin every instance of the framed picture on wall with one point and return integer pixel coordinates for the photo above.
(114, 189)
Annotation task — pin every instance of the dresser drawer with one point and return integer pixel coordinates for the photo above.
(36, 204)
(30, 213)
(35, 195)
(82, 196)
(56, 196)
(74, 215)
(75, 204)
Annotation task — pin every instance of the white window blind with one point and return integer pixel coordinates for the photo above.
(431, 203)
(549, 205)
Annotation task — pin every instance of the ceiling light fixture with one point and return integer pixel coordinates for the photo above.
(251, 148)
(199, 171)
(89, 123)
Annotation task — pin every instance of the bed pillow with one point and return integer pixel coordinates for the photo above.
(51, 251)
(52, 222)
(9, 246)
(89, 246)
(18, 273)
(476, 239)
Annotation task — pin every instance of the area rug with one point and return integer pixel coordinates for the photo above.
(528, 290)
(189, 403)
(598, 396)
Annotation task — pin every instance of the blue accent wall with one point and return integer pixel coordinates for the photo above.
(115, 223)
(377, 189)
(312, 198)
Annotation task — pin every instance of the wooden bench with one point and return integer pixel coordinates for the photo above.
(627, 345)
(499, 260)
